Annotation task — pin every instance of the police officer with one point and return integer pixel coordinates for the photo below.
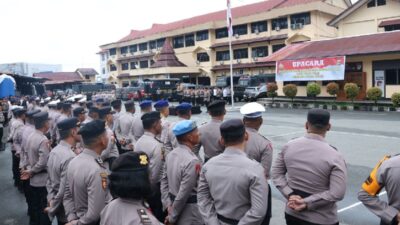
(57, 165)
(311, 174)
(93, 114)
(38, 147)
(179, 182)
(385, 175)
(184, 112)
(210, 134)
(258, 147)
(17, 125)
(129, 185)
(80, 114)
(153, 148)
(232, 188)
(53, 122)
(137, 127)
(65, 113)
(116, 104)
(111, 151)
(123, 126)
(162, 106)
(87, 191)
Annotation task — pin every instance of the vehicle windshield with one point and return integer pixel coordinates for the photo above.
(244, 82)
(251, 89)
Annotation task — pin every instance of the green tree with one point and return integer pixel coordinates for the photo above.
(374, 94)
(290, 91)
(351, 90)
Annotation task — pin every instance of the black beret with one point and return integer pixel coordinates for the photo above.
(104, 111)
(105, 104)
(116, 103)
(154, 115)
(89, 104)
(318, 117)
(92, 129)
(30, 114)
(40, 117)
(93, 110)
(60, 105)
(19, 111)
(232, 128)
(218, 104)
(66, 105)
(78, 110)
(129, 104)
(130, 161)
(68, 123)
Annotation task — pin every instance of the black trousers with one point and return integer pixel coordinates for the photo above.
(39, 203)
(155, 204)
(1, 137)
(291, 220)
(28, 195)
(268, 215)
(15, 169)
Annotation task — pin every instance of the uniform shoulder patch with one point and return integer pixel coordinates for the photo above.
(143, 160)
(144, 218)
(198, 168)
(104, 177)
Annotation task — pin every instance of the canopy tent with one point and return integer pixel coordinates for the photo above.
(7, 86)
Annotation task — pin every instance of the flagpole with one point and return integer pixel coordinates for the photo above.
(230, 34)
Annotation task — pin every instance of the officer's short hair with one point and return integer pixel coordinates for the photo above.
(232, 131)
(183, 112)
(64, 134)
(149, 119)
(217, 112)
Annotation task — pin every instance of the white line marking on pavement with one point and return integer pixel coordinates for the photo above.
(287, 134)
(356, 204)
(365, 135)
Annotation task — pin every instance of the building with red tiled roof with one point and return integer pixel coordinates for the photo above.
(65, 80)
(201, 42)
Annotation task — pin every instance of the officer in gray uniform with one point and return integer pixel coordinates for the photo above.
(137, 127)
(311, 174)
(86, 191)
(57, 165)
(38, 147)
(210, 134)
(111, 152)
(184, 112)
(162, 106)
(129, 185)
(179, 181)
(258, 147)
(153, 148)
(65, 113)
(116, 104)
(92, 115)
(123, 126)
(79, 113)
(385, 175)
(17, 125)
(53, 124)
(232, 188)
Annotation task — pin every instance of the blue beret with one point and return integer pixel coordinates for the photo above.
(30, 114)
(161, 104)
(184, 127)
(105, 110)
(184, 106)
(99, 100)
(145, 104)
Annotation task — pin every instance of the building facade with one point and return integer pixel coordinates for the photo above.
(28, 69)
(201, 42)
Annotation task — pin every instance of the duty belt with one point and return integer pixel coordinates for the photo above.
(227, 220)
(192, 199)
(300, 193)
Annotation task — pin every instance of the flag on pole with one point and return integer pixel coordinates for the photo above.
(229, 18)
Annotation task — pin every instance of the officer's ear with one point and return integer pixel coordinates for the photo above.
(221, 142)
(246, 136)
(328, 127)
(306, 125)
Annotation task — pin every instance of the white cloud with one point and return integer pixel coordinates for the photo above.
(68, 32)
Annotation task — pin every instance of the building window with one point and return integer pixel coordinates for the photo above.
(242, 53)
(259, 27)
(143, 46)
(222, 55)
(301, 18)
(151, 62)
(354, 67)
(189, 40)
(178, 42)
(133, 65)
(87, 77)
(392, 76)
(153, 44)
(277, 47)
(133, 48)
(221, 33)
(202, 35)
(124, 50)
(392, 27)
(240, 29)
(103, 57)
(144, 64)
(203, 57)
(103, 70)
(279, 23)
(113, 67)
(259, 52)
(374, 3)
(125, 66)
(113, 51)
(160, 42)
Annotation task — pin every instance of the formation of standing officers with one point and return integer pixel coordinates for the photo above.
(95, 164)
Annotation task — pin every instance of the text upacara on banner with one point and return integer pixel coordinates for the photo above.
(312, 69)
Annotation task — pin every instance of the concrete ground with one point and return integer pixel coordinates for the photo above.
(362, 137)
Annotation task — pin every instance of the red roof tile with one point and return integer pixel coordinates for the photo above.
(387, 42)
(87, 71)
(250, 41)
(241, 11)
(59, 77)
(167, 57)
(389, 22)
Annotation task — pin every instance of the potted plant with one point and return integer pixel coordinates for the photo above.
(313, 90)
(351, 90)
(271, 90)
(374, 94)
(290, 91)
(396, 100)
(333, 89)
